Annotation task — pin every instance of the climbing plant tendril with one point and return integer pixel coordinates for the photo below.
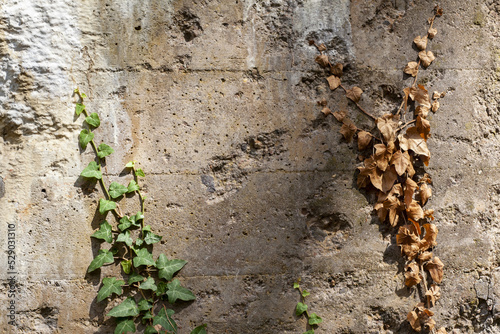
(146, 285)
(393, 156)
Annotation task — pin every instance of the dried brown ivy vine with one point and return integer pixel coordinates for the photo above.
(394, 148)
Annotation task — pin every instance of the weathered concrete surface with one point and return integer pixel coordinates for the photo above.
(246, 179)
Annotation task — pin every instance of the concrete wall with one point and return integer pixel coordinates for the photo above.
(246, 179)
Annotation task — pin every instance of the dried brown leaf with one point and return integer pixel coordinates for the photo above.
(322, 47)
(425, 193)
(410, 170)
(333, 82)
(420, 95)
(406, 91)
(411, 68)
(354, 94)
(414, 211)
(322, 102)
(364, 139)
(425, 178)
(390, 176)
(322, 60)
(438, 10)
(433, 294)
(429, 241)
(435, 269)
(436, 95)
(421, 42)
(400, 162)
(429, 214)
(387, 126)
(340, 115)
(348, 129)
(410, 187)
(382, 156)
(413, 141)
(412, 318)
(326, 111)
(376, 178)
(412, 274)
(393, 206)
(426, 57)
(432, 32)
(425, 256)
(365, 171)
(337, 69)
(422, 111)
(423, 127)
(408, 240)
(435, 106)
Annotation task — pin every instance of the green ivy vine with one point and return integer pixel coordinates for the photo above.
(147, 285)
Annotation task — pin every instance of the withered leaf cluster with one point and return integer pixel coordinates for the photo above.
(389, 154)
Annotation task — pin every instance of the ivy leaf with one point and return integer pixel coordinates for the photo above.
(116, 190)
(145, 304)
(305, 293)
(164, 318)
(130, 164)
(148, 285)
(126, 266)
(124, 326)
(104, 257)
(314, 319)
(104, 150)
(143, 258)
(128, 308)
(126, 238)
(105, 206)
(333, 82)
(199, 330)
(152, 238)
(146, 317)
(79, 108)
(93, 119)
(125, 223)
(138, 242)
(150, 329)
(311, 331)
(167, 268)
(85, 137)
(296, 285)
(354, 94)
(162, 289)
(132, 186)
(135, 278)
(110, 285)
(92, 170)
(301, 308)
(104, 232)
(140, 172)
(176, 291)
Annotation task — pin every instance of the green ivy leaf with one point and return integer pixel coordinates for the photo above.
(145, 304)
(116, 190)
(105, 206)
(150, 329)
(176, 291)
(128, 308)
(305, 293)
(93, 119)
(110, 285)
(104, 232)
(301, 308)
(84, 96)
(143, 257)
(139, 172)
(148, 285)
(79, 108)
(92, 170)
(104, 150)
(126, 266)
(162, 289)
(296, 285)
(311, 331)
(147, 316)
(152, 238)
(85, 137)
(314, 319)
(138, 242)
(104, 257)
(124, 326)
(132, 186)
(164, 318)
(126, 238)
(199, 330)
(167, 268)
(125, 223)
(135, 278)
(130, 164)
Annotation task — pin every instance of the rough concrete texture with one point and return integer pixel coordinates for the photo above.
(247, 180)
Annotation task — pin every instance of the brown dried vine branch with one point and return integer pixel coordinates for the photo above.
(388, 171)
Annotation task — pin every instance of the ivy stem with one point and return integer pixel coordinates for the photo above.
(141, 198)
